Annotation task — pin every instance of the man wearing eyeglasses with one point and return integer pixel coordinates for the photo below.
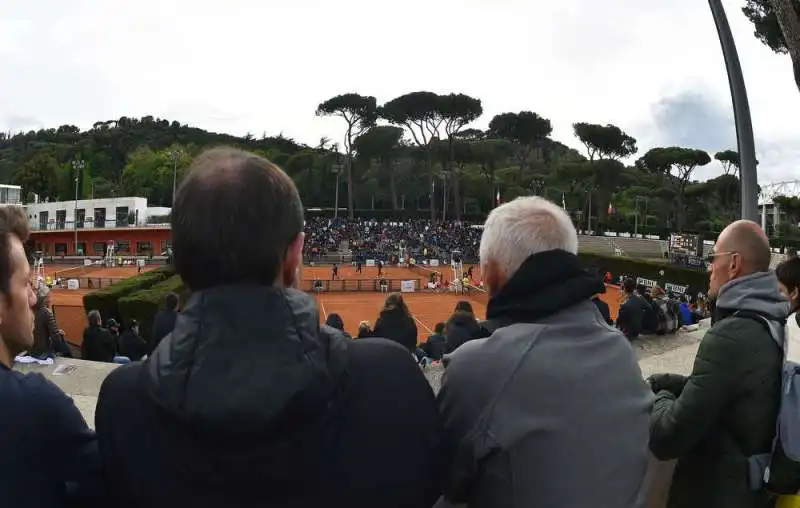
(725, 411)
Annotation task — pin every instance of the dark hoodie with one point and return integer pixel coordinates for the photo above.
(249, 402)
(461, 327)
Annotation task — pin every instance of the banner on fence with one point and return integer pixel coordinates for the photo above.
(73, 284)
(370, 262)
(675, 288)
(87, 262)
(407, 286)
(648, 283)
(434, 262)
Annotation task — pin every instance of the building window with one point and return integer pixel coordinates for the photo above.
(165, 244)
(43, 217)
(123, 246)
(99, 248)
(81, 250)
(61, 219)
(80, 217)
(122, 216)
(61, 249)
(99, 217)
(144, 247)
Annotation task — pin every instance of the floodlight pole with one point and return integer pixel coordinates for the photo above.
(748, 172)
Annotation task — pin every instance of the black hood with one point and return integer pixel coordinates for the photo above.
(246, 360)
(545, 284)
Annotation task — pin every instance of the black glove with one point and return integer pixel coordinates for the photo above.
(672, 383)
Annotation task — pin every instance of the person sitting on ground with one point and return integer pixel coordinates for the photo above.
(164, 322)
(788, 273)
(725, 411)
(49, 455)
(632, 312)
(436, 345)
(396, 323)
(249, 402)
(131, 344)
(602, 306)
(98, 343)
(461, 327)
(335, 321)
(551, 409)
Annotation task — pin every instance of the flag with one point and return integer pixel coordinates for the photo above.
(563, 202)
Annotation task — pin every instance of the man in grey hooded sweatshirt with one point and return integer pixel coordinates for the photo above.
(725, 411)
(551, 410)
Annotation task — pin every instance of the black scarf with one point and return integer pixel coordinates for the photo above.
(545, 284)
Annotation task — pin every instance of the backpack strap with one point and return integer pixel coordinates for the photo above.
(775, 327)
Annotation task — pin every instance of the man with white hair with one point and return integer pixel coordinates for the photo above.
(551, 409)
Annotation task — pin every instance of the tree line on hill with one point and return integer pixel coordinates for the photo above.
(415, 155)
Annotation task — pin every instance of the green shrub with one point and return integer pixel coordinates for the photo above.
(143, 305)
(105, 300)
(618, 265)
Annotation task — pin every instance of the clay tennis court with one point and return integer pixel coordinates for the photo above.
(354, 306)
(427, 308)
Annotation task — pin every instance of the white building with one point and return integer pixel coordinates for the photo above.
(90, 214)
(10, 194)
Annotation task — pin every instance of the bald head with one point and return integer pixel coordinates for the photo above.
(746, 238)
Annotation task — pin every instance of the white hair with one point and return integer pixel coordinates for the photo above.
(523, 227)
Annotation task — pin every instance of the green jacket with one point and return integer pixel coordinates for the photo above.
(726, 410)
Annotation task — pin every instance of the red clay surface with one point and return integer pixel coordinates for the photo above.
(427, 308)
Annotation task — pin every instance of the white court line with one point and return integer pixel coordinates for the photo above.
(423, 324)
(325, 314)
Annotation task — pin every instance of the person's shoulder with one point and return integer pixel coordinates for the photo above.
(121, 378)
(35, 392)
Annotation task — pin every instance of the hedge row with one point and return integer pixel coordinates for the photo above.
(106, 300)
(143, 304)
(618, 265)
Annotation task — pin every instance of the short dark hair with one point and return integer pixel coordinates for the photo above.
(629, 286)
(13, 221)
(234, 216)
(788, 273)
(464, 306)
(171, 301)
(439, 328)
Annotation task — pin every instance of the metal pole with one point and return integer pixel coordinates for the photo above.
(636, 217)
(336, 202)
(174, 175)
(77, 165)
(741, 113)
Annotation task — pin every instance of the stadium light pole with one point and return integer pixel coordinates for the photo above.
(174, 155)
(77, 165)
(336, 169)
(741, 113)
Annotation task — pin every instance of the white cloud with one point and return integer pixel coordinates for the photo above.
(654, 68)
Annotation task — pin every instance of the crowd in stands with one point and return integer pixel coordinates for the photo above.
(247, 401)
(382, 239)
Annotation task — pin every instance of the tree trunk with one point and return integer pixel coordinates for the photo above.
(350, 186)
(457, 194)
(790, 28)
(393, 187)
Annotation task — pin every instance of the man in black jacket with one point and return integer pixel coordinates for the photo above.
(48, 456)
(249, 402)
(724, 412)
(164, 321)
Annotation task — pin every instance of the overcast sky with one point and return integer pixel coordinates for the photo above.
(652, 67)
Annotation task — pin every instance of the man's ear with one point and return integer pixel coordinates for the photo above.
(293, 261)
